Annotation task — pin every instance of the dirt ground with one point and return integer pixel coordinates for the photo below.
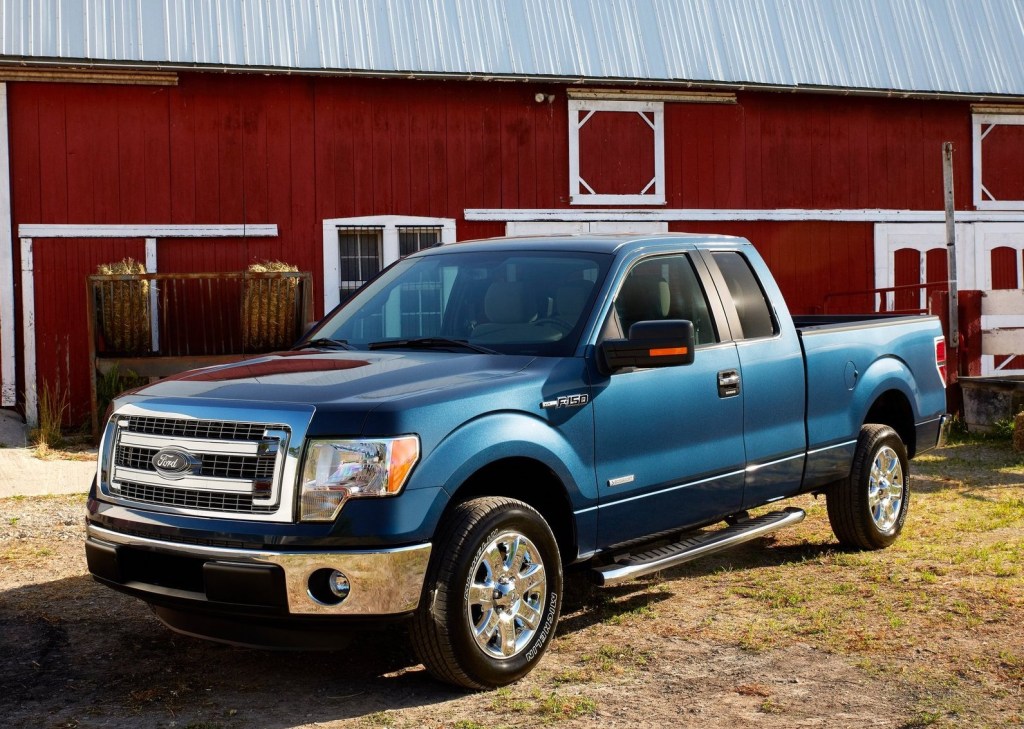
(788, 631)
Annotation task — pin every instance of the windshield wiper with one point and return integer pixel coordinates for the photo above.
(430, 343)
(325, 343)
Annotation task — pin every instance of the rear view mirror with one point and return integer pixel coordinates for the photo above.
(666, 343)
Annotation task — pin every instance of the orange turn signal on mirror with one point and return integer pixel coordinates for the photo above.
(668, 351)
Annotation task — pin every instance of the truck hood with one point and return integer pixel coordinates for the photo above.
(361, 379)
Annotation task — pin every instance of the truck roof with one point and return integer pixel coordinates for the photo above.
(612, 244)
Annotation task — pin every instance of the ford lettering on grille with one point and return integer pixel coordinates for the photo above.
(173, 463)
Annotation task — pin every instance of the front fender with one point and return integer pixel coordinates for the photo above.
(510, 434)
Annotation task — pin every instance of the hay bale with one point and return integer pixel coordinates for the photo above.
(268, 308)
(1018, 432)
(124, 308)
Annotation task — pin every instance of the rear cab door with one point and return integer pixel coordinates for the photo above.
(771, 371)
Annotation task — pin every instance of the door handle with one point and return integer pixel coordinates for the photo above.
(728, 383)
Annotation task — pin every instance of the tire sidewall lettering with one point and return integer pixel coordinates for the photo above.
(542, 637)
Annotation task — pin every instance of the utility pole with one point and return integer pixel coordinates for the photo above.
(954, 306)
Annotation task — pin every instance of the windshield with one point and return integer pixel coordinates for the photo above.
(523, 302)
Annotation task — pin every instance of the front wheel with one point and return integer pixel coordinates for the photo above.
(868, 509)
(492, 596)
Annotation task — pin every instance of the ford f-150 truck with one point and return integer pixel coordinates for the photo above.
(484, 415)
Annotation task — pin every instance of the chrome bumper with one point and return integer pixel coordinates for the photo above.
(383, 582)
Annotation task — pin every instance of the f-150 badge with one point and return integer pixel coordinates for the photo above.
(567, 401)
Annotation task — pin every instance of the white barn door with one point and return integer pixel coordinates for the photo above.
(990, 257)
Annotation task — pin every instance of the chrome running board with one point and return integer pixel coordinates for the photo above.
(635, 565)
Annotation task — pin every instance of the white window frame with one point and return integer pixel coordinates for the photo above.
(580, 193)
(981, 125)
(389, 225)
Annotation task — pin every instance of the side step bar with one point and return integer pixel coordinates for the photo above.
(635, 565)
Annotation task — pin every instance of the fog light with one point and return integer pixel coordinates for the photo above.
(328, 586)
(338, 584)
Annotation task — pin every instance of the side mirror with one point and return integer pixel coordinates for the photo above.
(666, 343)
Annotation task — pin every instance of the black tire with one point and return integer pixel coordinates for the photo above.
(868, 509)
(455, 595)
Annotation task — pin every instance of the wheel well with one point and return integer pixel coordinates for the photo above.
(893, 409)
(533, 483)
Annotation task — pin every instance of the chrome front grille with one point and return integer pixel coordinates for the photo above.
(235, 467)
(254, 468)
(189, 498)
(206, 429)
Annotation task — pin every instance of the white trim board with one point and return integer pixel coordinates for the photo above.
(150, 233)
(28, 323)
(8, 357)
(28, 230)
(728, 214)
(597, 227)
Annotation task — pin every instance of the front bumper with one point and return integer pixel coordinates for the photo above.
(384, 582)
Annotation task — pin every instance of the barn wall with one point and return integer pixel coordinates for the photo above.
(294, 151)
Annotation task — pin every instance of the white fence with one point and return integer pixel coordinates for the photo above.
(1002, 325)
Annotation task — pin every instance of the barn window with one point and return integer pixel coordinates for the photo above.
(616, 152)
(413, 238)
(359, 257)
(357, 249)
(998, 161)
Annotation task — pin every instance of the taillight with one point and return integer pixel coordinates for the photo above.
(940, 358)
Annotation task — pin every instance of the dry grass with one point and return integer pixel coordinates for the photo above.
(269, 308)
(53, 408)
(938, 613)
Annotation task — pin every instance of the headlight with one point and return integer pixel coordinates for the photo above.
(338, 470)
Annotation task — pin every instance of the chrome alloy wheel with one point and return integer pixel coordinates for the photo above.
(886, 489)
(506, 595)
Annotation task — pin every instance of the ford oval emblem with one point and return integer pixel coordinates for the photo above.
(174, 463)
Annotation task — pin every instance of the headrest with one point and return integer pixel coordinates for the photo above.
(643, 297)
(570, 298)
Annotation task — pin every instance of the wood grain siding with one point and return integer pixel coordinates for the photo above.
(62, 343)
(809, 259)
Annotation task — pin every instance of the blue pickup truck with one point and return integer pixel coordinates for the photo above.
(485, 415)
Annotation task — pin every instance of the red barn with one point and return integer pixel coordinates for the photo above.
(204, 136)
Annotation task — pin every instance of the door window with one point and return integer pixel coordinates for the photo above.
(666, 287)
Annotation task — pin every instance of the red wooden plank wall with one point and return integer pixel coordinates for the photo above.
(62, 342)
(294, 151)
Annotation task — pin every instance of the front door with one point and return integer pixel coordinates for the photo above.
(669, 441)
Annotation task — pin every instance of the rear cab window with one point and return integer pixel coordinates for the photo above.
(755, 313)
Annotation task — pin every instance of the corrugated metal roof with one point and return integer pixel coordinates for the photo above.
(972, 47)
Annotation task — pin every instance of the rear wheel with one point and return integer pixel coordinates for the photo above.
(868, 509)
(492, 596)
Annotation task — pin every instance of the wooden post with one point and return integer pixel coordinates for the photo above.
(953, 340)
